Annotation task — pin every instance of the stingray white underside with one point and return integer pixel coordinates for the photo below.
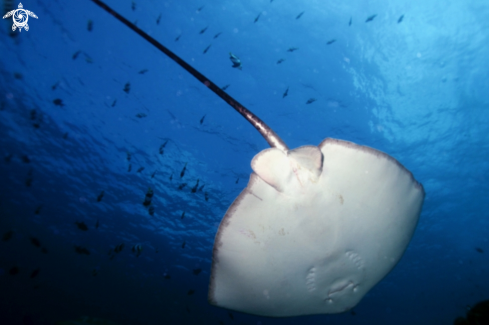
(314, 230)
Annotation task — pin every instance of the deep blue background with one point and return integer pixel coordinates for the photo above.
(418, 90)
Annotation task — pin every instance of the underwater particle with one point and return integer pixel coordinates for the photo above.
(8, 235)
(127, 87)
(137, 249)
(299, 15)
(75, 55)
(65, 136)
(370, 18)
(330, 42)
(292, 49)
(8, 157)
(140, 169)
(18, 75)
(129, 168)
(194, 189)
(35, 241)
(14, 270)
(171, 176)
(133, 6)
(182, 173)
(153, 175)
(81, 225)
(177, 38)
(89, 25)
(257, 17)
(183, 215)
(143, 71)
(181, 186)
(81, 250)
(44, 250)
(151, 210)
(113, 103)
(236, 61)
(225, 87)
(166, 276)
(280, 61)
(38, 209)
(183, 244)
(311, 100)
(25, 159)
(400, 19)
(97, 224)
(480, 250)
(202, 31)
(100, 196)
(207, 48)
(158, 20)
(196, 271)
(206, 196)
(237, 180)
(231, 315)
(141, 115)
(58, 102)
(148, 197)
(190, 292)
(285, 93)
(217, 35)
(35, 273)
(351, 18)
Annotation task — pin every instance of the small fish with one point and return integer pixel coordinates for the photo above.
(183, 215)
(53, 87)
(148, 197)
(100, 196)
(65, 136)
(8, 235)
(8, 157)
(171, 176)
(202, 119)
(225, 87)
(75, 55)
(166, 276)
(480, 250)
(158, 20)
(88, 59)
(370, 18)
(127, 87)
(162, 147)
(35, 241)
(311, 100)
(178, 37)
(198, 10)
(89, 25)
(300, 15)
(140, 169)
(237, 180)
(207, 48)
(231, 315)
(33, 114)
(236, 61)
(194, 189)
(400, 19)
(25, 159)
(217, 35)
(141, 115)
(292, 49)
(58, 102)
(331, 42)
(353, 313)
(137, 249)
(196, 271)
(202, 31)
(190, 292)
(206, 196)
(349, 24)
(97, 224)
(200, 189)
(143, 71)
(38, 209)
(118, 248)
(129, 168)
(113, 103)
(81, 225)
(128, 156)
(35, 273)
(182, 173)
(181, 186)
(151, 210)
(133, 6)
(153, 175)
(28, 181)
(280, 61)
(82, 250)
(157, 250)
(285, 93)
(14, 270)
(183, 244)
(257, 17)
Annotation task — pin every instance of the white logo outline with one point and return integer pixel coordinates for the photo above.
(20, 17)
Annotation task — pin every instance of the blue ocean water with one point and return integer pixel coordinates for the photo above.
(92, 116)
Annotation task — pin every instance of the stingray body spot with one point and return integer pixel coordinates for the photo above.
(329, 300)
(311, 280)
(355, 289)
(341, 199)
(281, 232)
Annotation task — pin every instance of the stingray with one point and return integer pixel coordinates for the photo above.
(315, 228)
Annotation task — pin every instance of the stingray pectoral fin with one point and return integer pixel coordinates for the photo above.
(308, 158)
(273, 167)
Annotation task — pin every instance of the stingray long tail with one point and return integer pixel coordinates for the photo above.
(270, 136)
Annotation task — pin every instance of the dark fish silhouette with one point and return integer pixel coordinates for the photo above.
(75, 55)
(207, 48)
(198, 10)
(257, 17)
(81, 225)
(225, 87)
(480, 250)
(65, 136)
(167, 276)
(81, 250)
(182, 173)
(177, 38)
(196, 271)
(35, 241)
(128, 157)
(190, 292)
(400, 19)
(140, 169)
(14, 270)
(25, 159)
(217, 35)
(300, 15)
(141, 115)
(171, 176)
(143, 71)
(183, 244)
(280, 61)
(292, 49)
(129, 168)
(8, 157)
(163, 146)
(38, 209)
(97, 224)
(237, 180)
(285, 93)
(89, 25)
(202, 119)
(127, 87)
(370, 18)
(200, 189)
(133, 6)
(311, 100)
(231, 315)
(182, 186)
(118, 248)
(158, 20)
(194, 189)
(331, 42)
(353, 313)
(151, 210)
(8, 235)
(35, 273)
(58, 102)
(148, 197)
(349, 24)
(206, 196)
(202, 31)
(101, 195)
(137, 249)
(153, 175)
(183, 215)
(114, 102)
